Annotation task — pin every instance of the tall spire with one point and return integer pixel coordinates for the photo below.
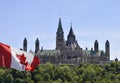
(71, 30)
(60, 37)
(60, 24)
(71, 37)
(59, 30)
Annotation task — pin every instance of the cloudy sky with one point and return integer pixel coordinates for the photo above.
(91, 20)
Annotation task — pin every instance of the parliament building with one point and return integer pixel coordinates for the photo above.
(69, 51)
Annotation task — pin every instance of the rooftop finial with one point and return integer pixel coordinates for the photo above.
(59, 19)
(71, 25)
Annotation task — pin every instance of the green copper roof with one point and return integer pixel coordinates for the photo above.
(48, 52)
(88, 52)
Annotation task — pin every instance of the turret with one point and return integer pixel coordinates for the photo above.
(96, 46)
(116, 59)
(25, 44)
(36, 45)
(107, 48)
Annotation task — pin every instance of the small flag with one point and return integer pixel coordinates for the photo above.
(13, 58)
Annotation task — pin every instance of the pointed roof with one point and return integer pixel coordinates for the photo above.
(107, 42)
(37, 40)
(116, 59)
(25, 40)
(71, 30)
(96, 42)
(60, 25)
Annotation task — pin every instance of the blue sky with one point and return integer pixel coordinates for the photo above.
(91, 20)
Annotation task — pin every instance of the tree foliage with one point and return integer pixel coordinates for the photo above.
(63, 73)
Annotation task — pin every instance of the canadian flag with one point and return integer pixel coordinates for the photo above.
(13, 58)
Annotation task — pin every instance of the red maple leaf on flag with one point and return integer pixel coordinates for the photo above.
(22, 59)
(26, 65)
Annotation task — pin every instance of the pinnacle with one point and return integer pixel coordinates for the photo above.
(71, 31)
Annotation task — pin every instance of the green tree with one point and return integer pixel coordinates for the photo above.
(18, 80)
(9, 78)
(38, 78)
(46, 77)
(2, 80)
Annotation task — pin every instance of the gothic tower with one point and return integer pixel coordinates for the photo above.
(36, 45)
(96, 46)
(25, 44)
(107, 50)
(60, 42)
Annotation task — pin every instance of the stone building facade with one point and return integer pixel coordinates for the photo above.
(69, 51)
